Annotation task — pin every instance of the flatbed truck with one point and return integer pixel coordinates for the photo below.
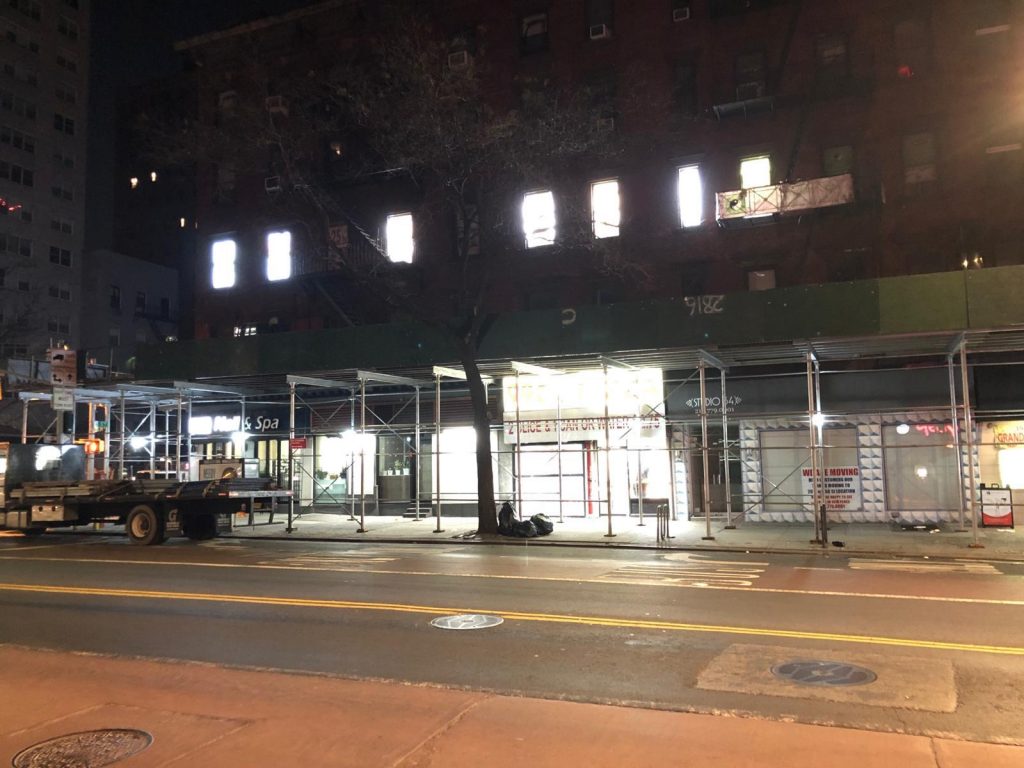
(43, 487)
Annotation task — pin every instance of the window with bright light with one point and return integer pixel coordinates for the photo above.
(539, 218)
(691, 196)
(756, 172)
(279, 255)
(398, 238)
(605, 208)
(222, 258)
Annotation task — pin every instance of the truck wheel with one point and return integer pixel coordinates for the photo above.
(199, 527)
(144, 526)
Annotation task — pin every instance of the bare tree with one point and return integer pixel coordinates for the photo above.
(400, 111)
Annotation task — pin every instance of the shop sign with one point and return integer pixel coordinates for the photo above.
(297, 443)
(580, 430)
(1008, 432)
(263, 421)
(632, 399)
(714, 404)
(841, 486)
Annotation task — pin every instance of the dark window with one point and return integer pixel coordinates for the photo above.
(165, 308)
(140, 301)
(115, 297)
(750, 76)
(835, 161)
(684, 89)
(912, 45)
(919, 158)
(600, 16)
(533, 33)
(832, 57)
(61, 256)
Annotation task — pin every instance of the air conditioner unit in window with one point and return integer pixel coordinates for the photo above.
(681, 14)
(600, 32)
(277, 105)
(272, 184)
(747, 91)
(458, 59)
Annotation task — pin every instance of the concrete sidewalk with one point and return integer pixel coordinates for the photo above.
(996, 543)
(216, 717)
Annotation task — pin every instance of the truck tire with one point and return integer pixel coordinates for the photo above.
(144, 526)
(201, 527)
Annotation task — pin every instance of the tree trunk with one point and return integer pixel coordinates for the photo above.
(487, 517)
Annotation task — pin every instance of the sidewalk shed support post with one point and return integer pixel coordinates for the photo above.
(725, 458)
(955, 420)
(362, 456)
(437, 452)
(416, 456)
(291, 456)
(969, 439)
(812, 446)
(607, 455)
(702, 371)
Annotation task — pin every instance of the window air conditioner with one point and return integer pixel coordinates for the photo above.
(681, 14)
(277, 105)
(458, 59)
(746, 91)
(272, 184)
(600, 32)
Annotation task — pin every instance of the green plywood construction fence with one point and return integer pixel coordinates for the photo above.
(915, 304)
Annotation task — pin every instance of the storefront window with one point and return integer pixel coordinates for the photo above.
(787, 479)
(921, 468)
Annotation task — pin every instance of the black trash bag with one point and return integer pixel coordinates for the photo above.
(543, 524)
(524, 529)
(507, 519)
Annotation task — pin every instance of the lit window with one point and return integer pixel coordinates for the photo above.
(539, 218)
(223, 260)
(152, 176)
(134, 182)
(756, 172)
(691, 196)
(279, 255)
(398, 239)
(604, 207)
(181, 222)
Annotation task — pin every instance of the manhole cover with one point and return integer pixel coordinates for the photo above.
(829, 673)
(467, 621)
(89, 749)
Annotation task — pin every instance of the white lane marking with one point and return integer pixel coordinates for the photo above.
(915, 566)
(696, 573)
(573, 580)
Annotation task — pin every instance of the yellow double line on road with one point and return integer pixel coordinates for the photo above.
(549, 618)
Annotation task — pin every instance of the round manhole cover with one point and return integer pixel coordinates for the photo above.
(467, 621)
(89, 749)
(828, 673)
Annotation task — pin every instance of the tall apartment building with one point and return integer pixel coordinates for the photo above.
(44, 57)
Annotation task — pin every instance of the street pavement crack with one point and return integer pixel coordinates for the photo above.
(427, 744)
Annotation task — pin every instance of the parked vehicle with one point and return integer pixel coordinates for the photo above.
(43, 487)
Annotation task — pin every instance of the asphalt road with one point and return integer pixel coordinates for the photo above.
(678, 631)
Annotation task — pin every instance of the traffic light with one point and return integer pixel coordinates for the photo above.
(93, 446)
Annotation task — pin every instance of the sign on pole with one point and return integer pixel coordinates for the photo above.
(297, 443)
(63, 367)
(63, 399)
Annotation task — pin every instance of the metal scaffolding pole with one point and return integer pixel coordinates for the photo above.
(362, 456)
(640, 485)
(706, 502)
(955, 419)
(725, 457)
(607, 456)
(558, 433)
(812, 437)
(351, 489)
(167, 437)
(291, 455)
(517, 474)
(120, 453)
(671, 474)
(152, 438)
(437, 452)
(969, 438)
(188, 440)
(24, 421)
(416, 455)
(177, 441)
